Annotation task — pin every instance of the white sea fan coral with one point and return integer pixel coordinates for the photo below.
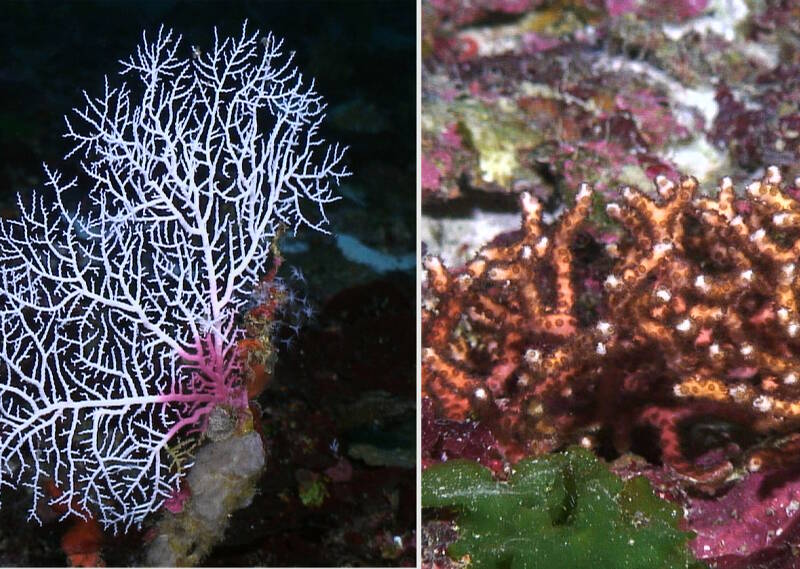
(117, 319)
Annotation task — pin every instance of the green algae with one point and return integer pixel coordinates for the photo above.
(564, 510)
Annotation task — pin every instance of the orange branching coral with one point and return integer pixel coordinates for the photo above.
(257, 350)
(699, 318)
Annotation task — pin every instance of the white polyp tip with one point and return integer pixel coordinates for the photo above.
(727, 183)
(779, 218)
(746, 349)
(754, 188)
(612, 281)
(526, 252)
(783, 314)
(788, 269)
(747, 275)
(774, 175)
(529, 203)
(480, 393)
(663, 295)
(664, 186)
(790, 378)
(700, 283)
(684, 325)
(763, 403)
(585, 191)
(738, 391)
(542, 243)
(533, 356)
(677, 390)
(601, 348)
(628, 192)
(662, 247)
(432, 263)
(714, 349)
(604, 328)
(613, 208)
(758, 235)
(792, 329)
(737, 220)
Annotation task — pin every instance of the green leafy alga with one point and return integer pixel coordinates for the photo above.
(563, 510)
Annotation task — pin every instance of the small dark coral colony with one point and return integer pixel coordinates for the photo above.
(692, 320)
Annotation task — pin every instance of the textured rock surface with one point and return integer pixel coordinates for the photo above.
(222, 480)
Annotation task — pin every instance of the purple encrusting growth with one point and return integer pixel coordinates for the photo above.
(751, 517)
(752, 522)
(118, 322)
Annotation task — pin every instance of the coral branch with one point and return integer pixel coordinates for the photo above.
(698, 318)
(118, 321)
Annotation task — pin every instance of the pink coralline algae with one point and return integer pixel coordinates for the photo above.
(761, 125)
(754, 515)
(619, 7)
(444, 439)
(752, 523)
(429, 174)
(178, 499)
(677, 10)
(651, 112)
(462, 13)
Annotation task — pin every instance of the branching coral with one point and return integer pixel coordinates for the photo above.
(119, 320)
(699, 318)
